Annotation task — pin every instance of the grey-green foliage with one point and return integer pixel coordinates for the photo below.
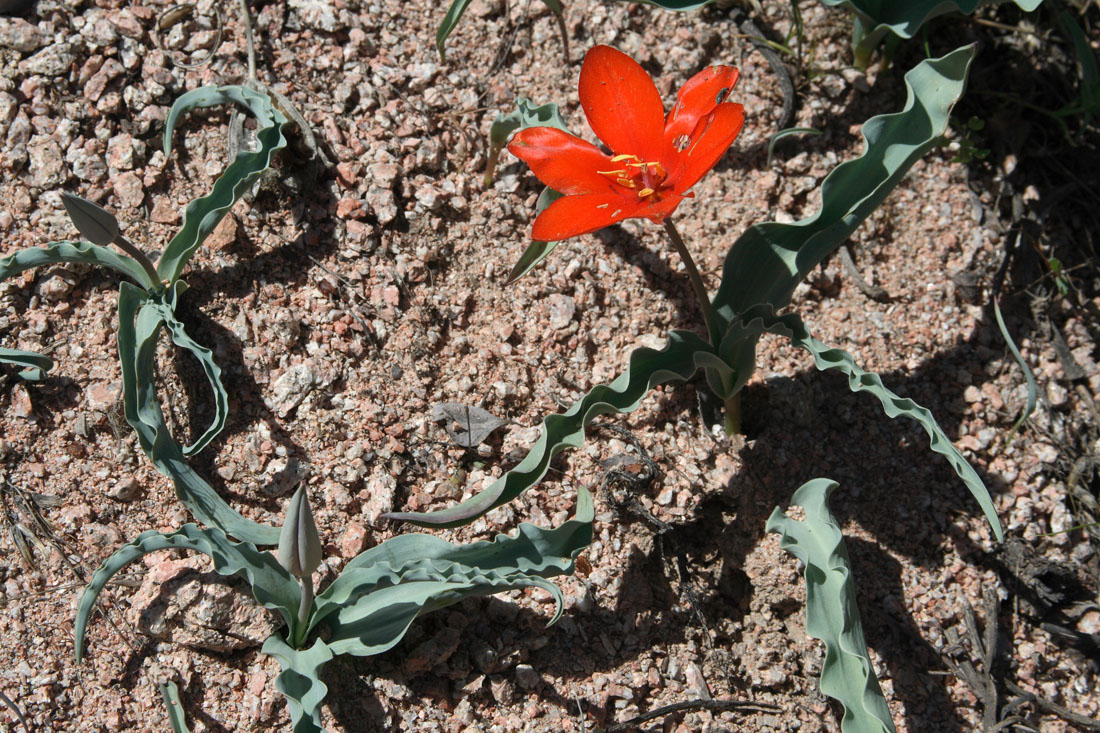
(203, 215)
(762, 268)
(454, 14)
(877, 19)
(525, 115)
(34, 366)
(832, 614)
(148, 306)
(368, 608)
(170, 693)
(142, 315)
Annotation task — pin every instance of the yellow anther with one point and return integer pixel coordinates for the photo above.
(645, 192)
(625, 182)
(601, 206)
(612, 173)
(616, 212)
(625, 156)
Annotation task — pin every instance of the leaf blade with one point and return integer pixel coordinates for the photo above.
(832, 614)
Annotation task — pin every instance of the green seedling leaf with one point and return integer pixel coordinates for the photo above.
(171, 695)
(299, 544)
(832, 614)
(96, 224)
(272, 586)
(876, 19)
(1032, 388)
(140, 317)
(34, 365)
(536, 251)
(83, 253)
(203, 215)
(525, 115)
(300, 681)
(468, 425)
(450, 20)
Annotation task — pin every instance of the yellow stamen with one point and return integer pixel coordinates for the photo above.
(645, 192)
(612, 173)
(601, 206)
(625, 182)
(624, 156)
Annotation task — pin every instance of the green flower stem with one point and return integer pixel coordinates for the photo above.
(128, 247)
(304, 609)
(732, 422)
(696, 282)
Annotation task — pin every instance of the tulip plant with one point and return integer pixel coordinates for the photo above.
(653, 161)
(369, 606)
(149, 295)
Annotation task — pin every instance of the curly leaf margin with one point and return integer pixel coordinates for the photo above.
(272, 586)
(684, 354)
(680, 360)
(140, 320)
(832, 613)
(300, 680)
(204, 214)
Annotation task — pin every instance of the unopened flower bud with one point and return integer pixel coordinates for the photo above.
(299, 543)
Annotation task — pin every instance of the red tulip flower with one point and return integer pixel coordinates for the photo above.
(654, 159)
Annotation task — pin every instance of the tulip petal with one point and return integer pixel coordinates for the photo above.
(575, 215)
(708, 143)
(621, 103)
(562, 161)
(698, 98)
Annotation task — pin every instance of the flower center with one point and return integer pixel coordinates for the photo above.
(647, 178)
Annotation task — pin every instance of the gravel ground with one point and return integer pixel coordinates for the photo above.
(343, 308)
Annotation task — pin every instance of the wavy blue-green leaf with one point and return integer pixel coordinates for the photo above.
(768, 261)
(141, 315)
(272, 586)
(174, 706)
(203, 215)
(1087, 102)
(300, 681)
(453, 571)
(685, 353)
(525, 115)
(680, 5)
(877, 18)
(832, 614)
(34, 365)
(209, 367)
(763, 318)
(368, 609)
(1032, 388)
(680, 360)
(82, 253)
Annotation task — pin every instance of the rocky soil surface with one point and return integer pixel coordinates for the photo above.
(343, 304)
